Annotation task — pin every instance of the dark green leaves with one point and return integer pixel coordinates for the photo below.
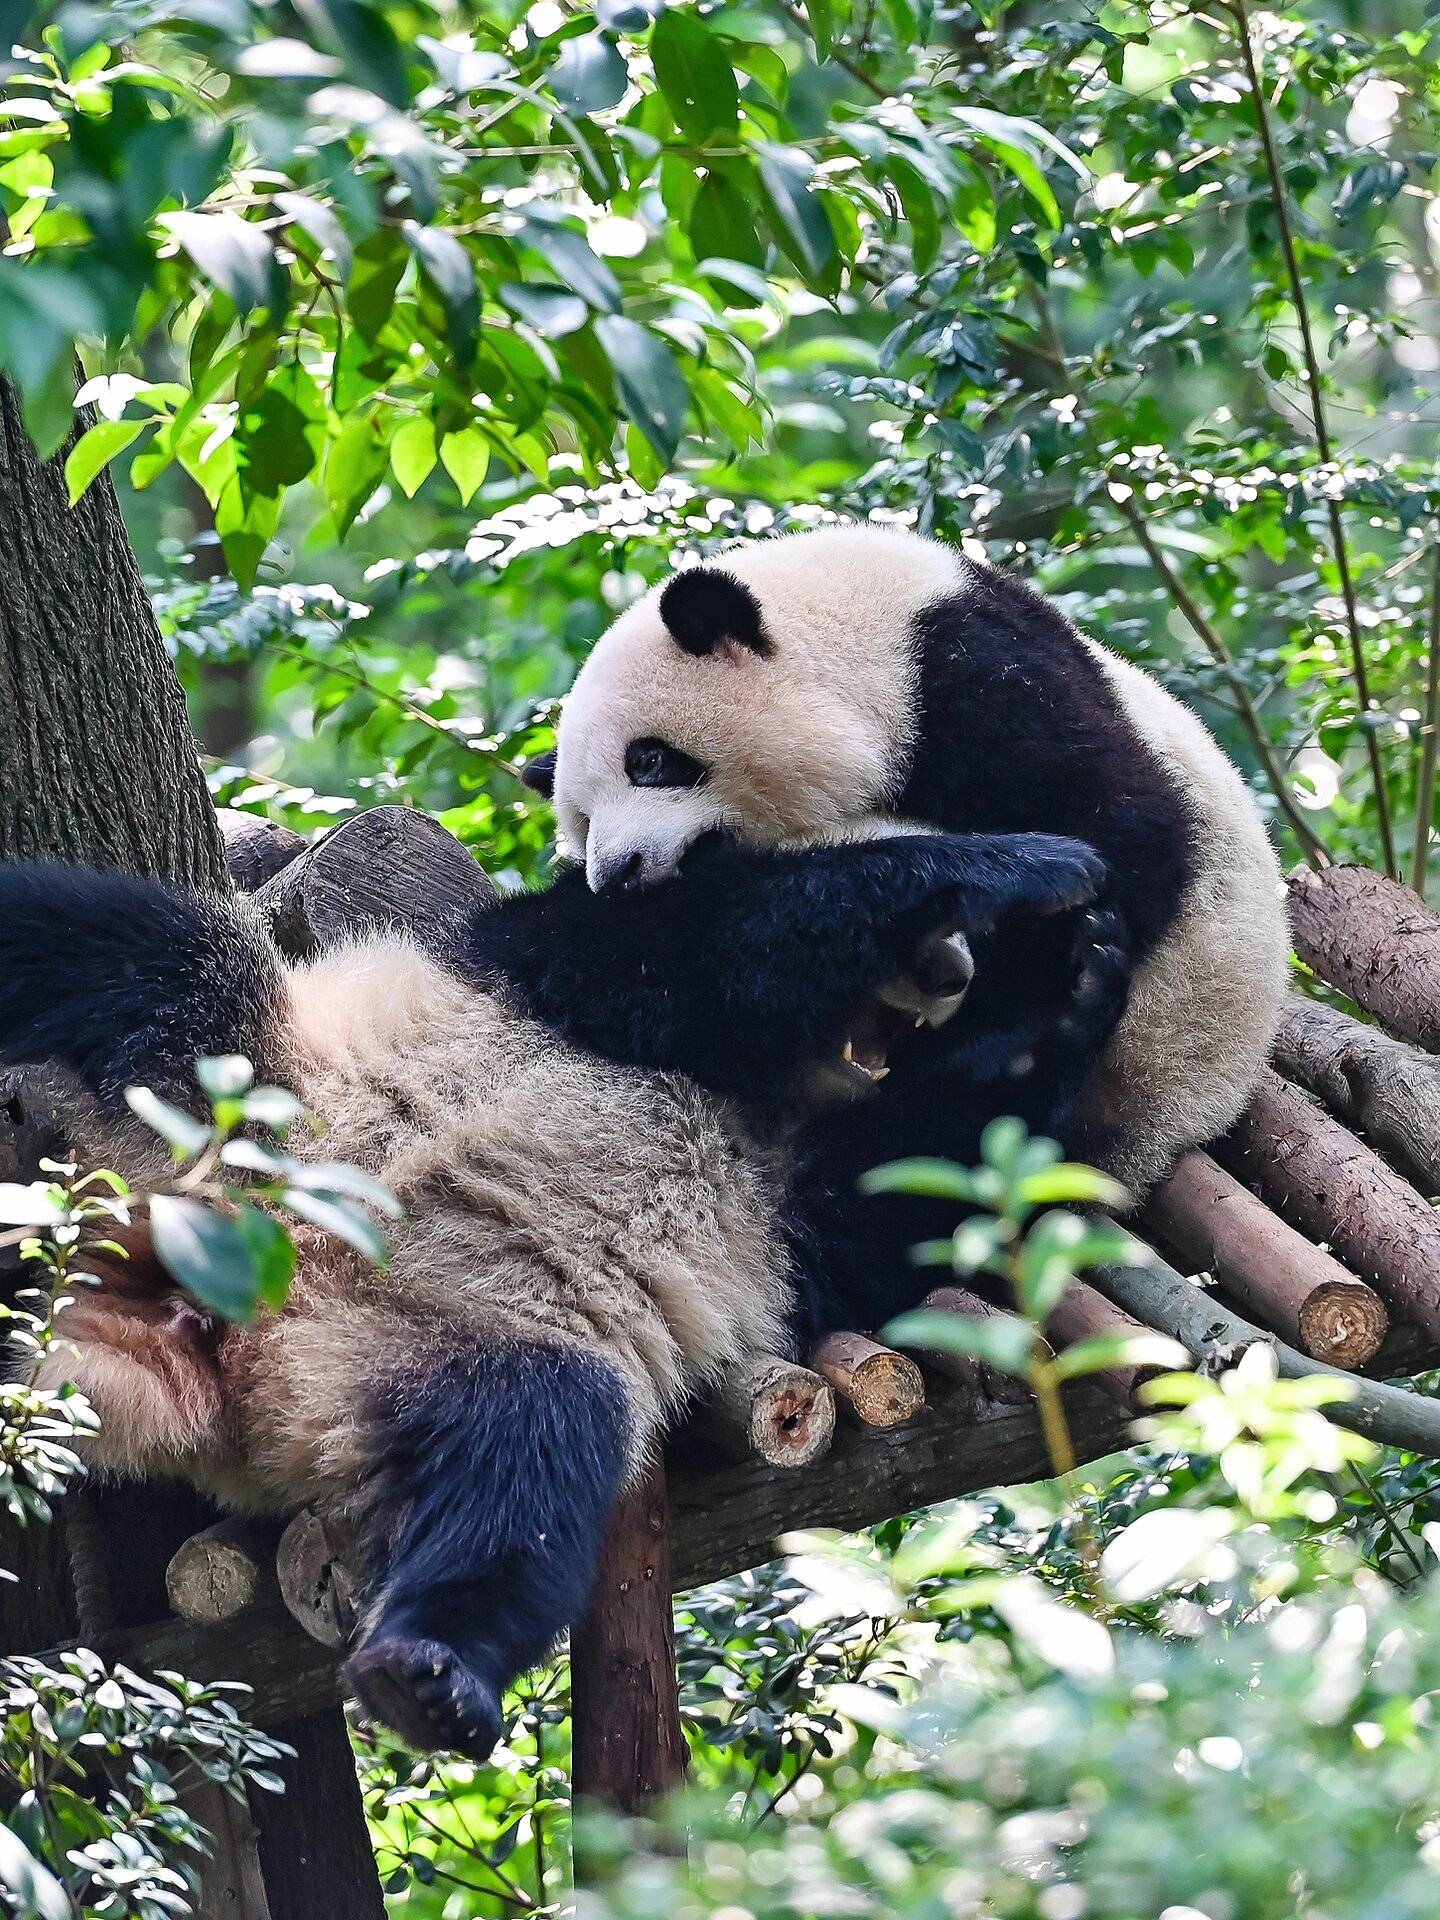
(363, 38)
(572, 260)
(649, 382)
(590, 74)
(798, 218)
(695, 76)
(232, 1263)
(235, 254)
(446, 265)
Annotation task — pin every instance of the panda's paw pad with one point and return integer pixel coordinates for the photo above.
(425, 1692)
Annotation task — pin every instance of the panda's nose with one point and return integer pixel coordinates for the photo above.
(621, 872)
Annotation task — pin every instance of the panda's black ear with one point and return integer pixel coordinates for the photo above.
(539, 774)
(705, 607)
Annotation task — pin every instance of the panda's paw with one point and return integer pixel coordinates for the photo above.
(1104, 965)
(1054, 874)
(424, 1691)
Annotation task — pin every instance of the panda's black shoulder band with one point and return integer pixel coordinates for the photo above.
(705, 607)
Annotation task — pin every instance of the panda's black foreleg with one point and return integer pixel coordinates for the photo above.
(749, 966)
(495, 1477)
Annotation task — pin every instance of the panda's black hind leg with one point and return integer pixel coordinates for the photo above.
(498, 1468)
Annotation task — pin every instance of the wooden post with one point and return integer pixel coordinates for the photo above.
(625, 1715)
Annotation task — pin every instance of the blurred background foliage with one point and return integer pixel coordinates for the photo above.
(447, 327)
(419, 337)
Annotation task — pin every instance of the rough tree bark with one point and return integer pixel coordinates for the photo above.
(96, 759)
(98, 765)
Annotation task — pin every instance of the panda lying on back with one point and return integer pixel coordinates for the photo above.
(852, 679)
(585, 1117)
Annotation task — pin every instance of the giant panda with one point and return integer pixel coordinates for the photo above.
(833, 682)
(584, 1111)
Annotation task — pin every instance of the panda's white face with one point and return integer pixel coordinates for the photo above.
(770, 695)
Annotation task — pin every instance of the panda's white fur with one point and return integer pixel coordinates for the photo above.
(663, 1259)
(810, 739)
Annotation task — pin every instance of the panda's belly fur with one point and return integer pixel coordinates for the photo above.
(547, 1196)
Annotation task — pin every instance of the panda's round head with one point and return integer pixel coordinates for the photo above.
(770, 694)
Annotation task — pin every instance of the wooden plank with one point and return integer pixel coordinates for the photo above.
(721, 1522)
(313, 1845)
(627, 1745)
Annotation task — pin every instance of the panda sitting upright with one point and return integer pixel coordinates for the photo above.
(585, 1116)
(856, 679)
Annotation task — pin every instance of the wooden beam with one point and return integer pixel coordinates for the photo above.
(1320, 1176)
(722, 1520)
(1376, 941)
(626, 1741)
(1283, 1281)
(1386, 1089)
(389, 867)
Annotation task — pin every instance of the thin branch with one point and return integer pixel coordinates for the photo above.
(1322, 432)
(1314, 848)
(842, 60)
(1429, 742)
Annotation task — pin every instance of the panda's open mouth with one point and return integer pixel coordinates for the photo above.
(926, 994)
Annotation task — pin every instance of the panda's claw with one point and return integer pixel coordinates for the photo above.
(1104, 965)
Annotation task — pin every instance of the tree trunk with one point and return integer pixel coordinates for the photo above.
(97, 763)
(98, 766)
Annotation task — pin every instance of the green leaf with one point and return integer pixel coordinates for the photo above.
(1121, 1350)
(447, 267)
(999, 1340)
(95, 449)
(1067, 1182)
(185, 1134)
(340, 1218)
(323, 227)
(800, 223)
(572, 259)
(272, 1255)
(224, 1076)
(936, 1179)
(695, 75)
(356, 461)
(651, 386)
(589, 74)
(360, 34)
(465, 456)
(821, 15)
(552, 311)
(234, 254)
(722, 223)
(972, 207)
(379, 264)
(280, 434)
(919, 204)
(32, 1885)
(207, 1253)
(413, 454)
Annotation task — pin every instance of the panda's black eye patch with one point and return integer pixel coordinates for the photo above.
(655, 763)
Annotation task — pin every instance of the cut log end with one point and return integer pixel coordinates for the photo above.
(882, 1388)
(772, 1409)
(217, 1574)
(317, 1563)
(1343, 1322)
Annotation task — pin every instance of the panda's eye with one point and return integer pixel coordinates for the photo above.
(655, 763)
